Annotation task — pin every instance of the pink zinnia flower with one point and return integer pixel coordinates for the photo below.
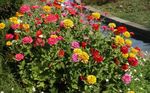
(104, 27)
(126, 78)
(61, 24)
(52, 41)
(19, 57)
(9, 36)
(75, 58)
(15, 26)
(51, 18)
(25, 8)
(75, 44)
(27, 40)
(35, 6)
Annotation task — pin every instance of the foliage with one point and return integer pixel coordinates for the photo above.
(59, 49)
(9, 7)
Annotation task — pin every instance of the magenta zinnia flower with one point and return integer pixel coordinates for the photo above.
(126, 78)
(75, 58)
(75, 44)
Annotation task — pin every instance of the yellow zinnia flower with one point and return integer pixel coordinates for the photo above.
(2, 25)
(112, 25)
(126, 34)
(8, 43)
(84, 57)
(96, 15)
(132, 55)
(128, 42)
(68, 23)
(13, 20)
(47, 8)
(125, 55)
(18, 14)
(130, 92)
(91, 79)
(61, 1)
(26, 26)
(133, 50)
(77, 51)
(119, 40)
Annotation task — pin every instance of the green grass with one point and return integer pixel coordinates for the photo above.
(137, 11)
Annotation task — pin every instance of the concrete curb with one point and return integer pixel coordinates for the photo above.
(141, 32)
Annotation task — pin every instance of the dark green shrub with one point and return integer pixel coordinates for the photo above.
(9, 7)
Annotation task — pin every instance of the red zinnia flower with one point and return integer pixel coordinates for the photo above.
(121, 29)
(133, 61)
(38, 33)
(98, 58)
(61, 53)
(114, 46)
(83, 44)
(124, 49)
(96, 27)
(125, 67)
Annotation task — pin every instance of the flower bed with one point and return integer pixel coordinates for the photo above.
(57, 50)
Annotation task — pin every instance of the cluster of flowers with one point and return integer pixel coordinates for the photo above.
(37, 33)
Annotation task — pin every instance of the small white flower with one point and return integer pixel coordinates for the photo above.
(33, 89)
(17, 31)
(141, 75)
(128, 89)
(137, 79)
(2, 92)
(12, 89)
(41, 36)
(120, 90)
(107, 80)
(42, 92)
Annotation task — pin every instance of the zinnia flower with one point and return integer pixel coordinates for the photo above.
(61, 53)
(126, 34)
(112, 25)
(8, 43)
(47, 8)
(126, 78)
(18, 14)
(121, 29)
(14, 20)
(128, 42)
(96, 26)
(133, 61)
(26, 26)
(75, 58)
(51, 18)
(75, 44)
(125, 67)
(68, 23)
(52, 41)
(84, 57)
(27, 40)
(96, 15)
(119, 40)
(2, 26)
(91, 79)
(9, 36)
(25, 8)
(19, 57)
(124, 49)
(15, 26)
